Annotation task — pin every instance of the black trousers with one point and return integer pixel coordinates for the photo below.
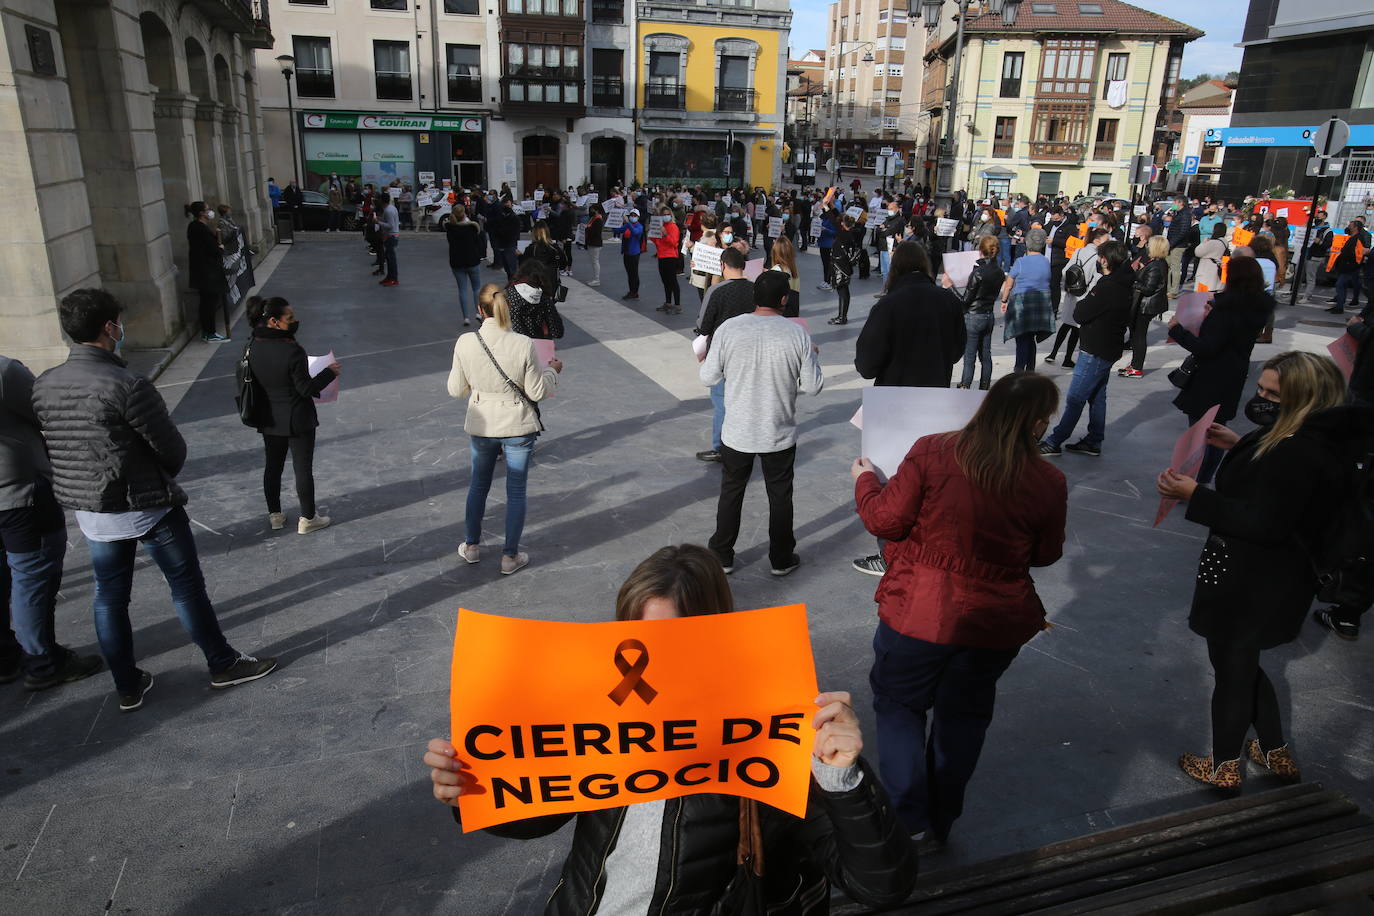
(1067, 334)
(1056, 274)
(667, 272)
(826, 273)
(1140, 338)
(632, 272)
(210, 306)
(302, 449)
(842, 291)
(736, 468)
(1243, 696)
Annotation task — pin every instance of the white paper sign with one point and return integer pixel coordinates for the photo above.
(855, 212)
(582, 201)
(527, 205)
(753, 269)
(1139, 209)
(317, 364)
(580, 235)
(425, 177)
(774, 226)
(894, 418)
(539, 194)
(958, 266)
(816, 228)
(395, 193)
(706, 259)
(945, 227)
(424, 200)
(876, 218)
(655, 227)
(593, 199)
(615, 218)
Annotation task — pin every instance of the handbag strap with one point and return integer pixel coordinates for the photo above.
(750, 850)
(513, 387)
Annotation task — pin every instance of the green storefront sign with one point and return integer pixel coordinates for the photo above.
(329, 120)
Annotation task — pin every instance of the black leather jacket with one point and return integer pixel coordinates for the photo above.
(851, 839)
(984, 284)
(1151, 287)
(112, 444)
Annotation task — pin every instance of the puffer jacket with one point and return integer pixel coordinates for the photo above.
(1151, 287)
(23, 459)
(959, 557)
(984, 283)
(113, 446)
(851, 840)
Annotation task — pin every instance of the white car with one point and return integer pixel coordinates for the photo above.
(432, 209)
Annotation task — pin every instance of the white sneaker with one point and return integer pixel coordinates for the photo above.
(307, 525)
(514, 564)
(594, 283)
(470, 552)
(277, 520)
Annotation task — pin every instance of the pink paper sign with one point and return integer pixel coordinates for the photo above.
(1187, 458)
(544, 354)
(1343, 350)
(1192, 308)
(753, 269)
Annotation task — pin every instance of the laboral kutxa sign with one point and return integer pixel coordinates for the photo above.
(559, 718)
(328, 120)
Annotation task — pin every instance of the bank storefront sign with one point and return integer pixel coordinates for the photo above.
(1360, 135)
(328, 120)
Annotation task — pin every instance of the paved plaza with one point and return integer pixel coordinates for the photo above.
(304, 793)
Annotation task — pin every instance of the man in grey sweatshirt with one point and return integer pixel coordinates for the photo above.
(764, 359)
(391, 232)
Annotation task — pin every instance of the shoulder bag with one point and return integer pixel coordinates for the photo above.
(248, 395)
(511, 384)
(746, 894)
(1181, 376)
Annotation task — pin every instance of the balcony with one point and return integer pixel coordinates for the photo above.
(465, 89)
(550, 94)
(1104, 152)
(734, 99)
(1003, 149)
(608, 92)
(1055, 151)
(665, 96)
(608, 11)
(261, 34)
(394, 86)
(313, 83)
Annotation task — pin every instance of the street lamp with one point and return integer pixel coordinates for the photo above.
(930, 9)
(868, 58)
(288, 63)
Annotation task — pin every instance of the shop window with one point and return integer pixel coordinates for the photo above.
(701, 161)
(464, 73)
(391, 60)
(314, 67)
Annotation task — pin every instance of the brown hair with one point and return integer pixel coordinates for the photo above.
(688, 575)
(492, 301)
(785, 255)
(1307, 383)
(988, 246)
(994, 446)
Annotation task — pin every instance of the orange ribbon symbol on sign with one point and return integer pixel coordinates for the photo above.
(633, 679)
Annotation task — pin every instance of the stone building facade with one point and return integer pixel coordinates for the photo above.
(114, 114)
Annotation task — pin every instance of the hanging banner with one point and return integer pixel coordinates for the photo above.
(561, 718)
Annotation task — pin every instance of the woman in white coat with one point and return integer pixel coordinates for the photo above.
(1086, 258)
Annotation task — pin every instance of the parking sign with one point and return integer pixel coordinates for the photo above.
(1190, 164)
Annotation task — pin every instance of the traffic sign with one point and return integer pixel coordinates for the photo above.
(1331, 138)
(1173, 166)
(1324, 167)
(1190, 164)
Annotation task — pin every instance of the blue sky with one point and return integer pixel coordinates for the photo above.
(1213, 53)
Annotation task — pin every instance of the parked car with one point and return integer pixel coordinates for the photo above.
(315, 212)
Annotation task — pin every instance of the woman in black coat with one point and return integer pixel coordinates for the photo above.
(979, 296)
(915, 333)
(1221, 350)
(844, 256)
(1277, 493)
(288, 423)
(1150, 301)
(205, 259)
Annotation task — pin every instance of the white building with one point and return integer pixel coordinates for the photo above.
(1206, 111)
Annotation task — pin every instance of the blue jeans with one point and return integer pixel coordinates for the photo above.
(30, 582)
(926, 772)
(883, 257)
(717, 413)
(1004, 252)
(518, 450)
(978, 345)
(390, 248)
(505, 258)
(1349, 279)
(173, 548)
(1088, 386)
(469, 285)
(1025, 353)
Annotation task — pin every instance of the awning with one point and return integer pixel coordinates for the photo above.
(996, 171)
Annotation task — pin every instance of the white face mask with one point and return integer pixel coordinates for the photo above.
(726, 238)
(985, 217)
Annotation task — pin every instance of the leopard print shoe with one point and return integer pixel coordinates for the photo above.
(1278, 761)
(1224, 776)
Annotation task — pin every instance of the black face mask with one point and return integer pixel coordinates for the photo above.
(292, 327)
(1261, 411)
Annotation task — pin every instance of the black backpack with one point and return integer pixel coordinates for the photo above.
(1345, 564)
(1075, 279)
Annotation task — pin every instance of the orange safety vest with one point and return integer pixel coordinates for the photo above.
(1002, 215)
(1202, 287)
(1071, 246)
(1337, 243)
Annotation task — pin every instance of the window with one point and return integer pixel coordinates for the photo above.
(538, 72)
(608, 10)
(732, 87)
(663, 89)
(1099, 182)
(395, 5)
(894, 69)
(1043, 9)
(1105, 146)
(1209, 155)
(1004, 138)
(889, 123)
(892, 43)
(1090, 9)
(391, 60)
(1012, 62)
(314, 67)
(1048, 185)
(464, 73)
(894, 98)
(608, 88)
(310, 2)
(1067, 67)
(544, 7)
(1116, 70)
(463, 7)
(1171, 74)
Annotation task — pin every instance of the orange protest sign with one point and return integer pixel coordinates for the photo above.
(559, 718)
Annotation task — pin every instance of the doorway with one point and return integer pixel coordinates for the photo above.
(608, 164)
(541, 163)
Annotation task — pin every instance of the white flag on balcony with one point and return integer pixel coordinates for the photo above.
(1116, 94)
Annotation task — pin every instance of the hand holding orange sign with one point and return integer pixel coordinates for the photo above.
(558, 718)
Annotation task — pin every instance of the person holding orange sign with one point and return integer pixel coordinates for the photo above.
(680, 855)
(966, 517)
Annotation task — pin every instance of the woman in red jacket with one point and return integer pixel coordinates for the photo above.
(966, 516)
(668, 244)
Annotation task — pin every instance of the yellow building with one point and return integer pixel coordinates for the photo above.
(710, 92)
(1057, 103)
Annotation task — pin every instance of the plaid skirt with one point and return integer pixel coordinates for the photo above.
(1029, 313)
